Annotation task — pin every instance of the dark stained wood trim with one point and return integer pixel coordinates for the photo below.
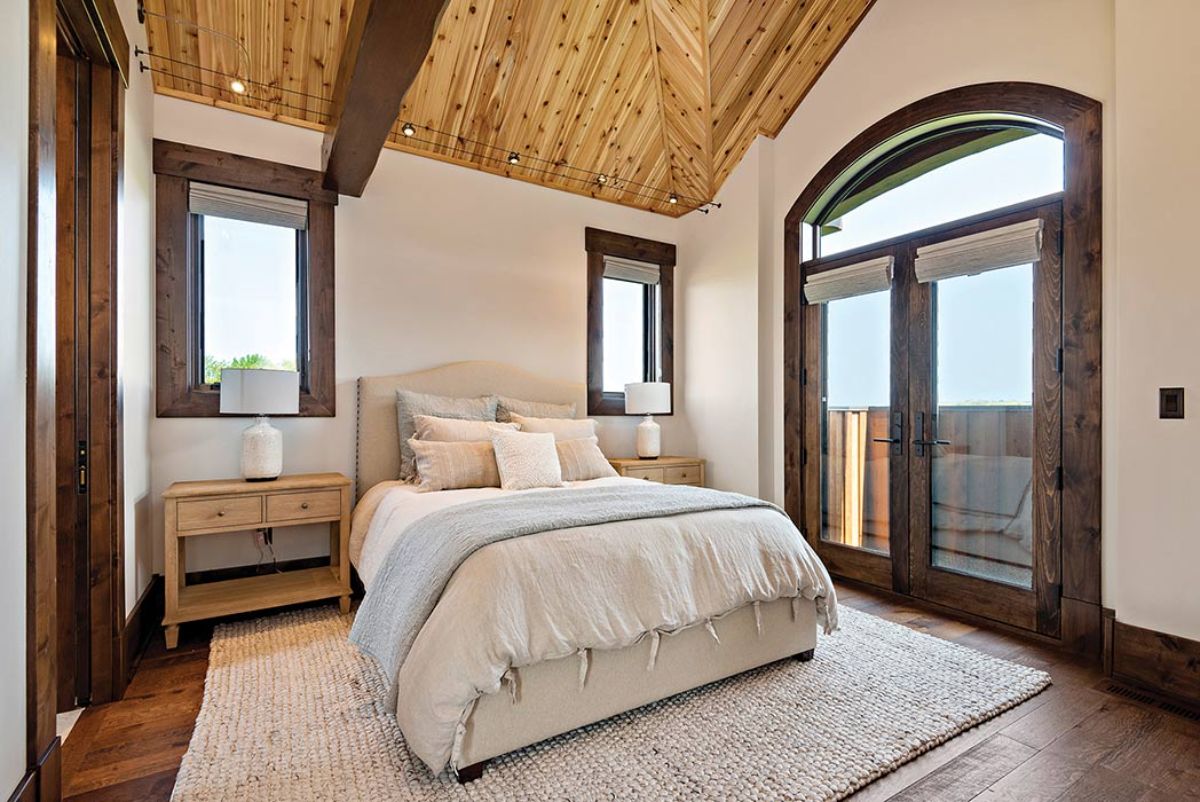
(242, 172)
(599, 244)
(1166, 664)
(41, 742)
(385, 45)
(144, 621)
(101, 36)
(176, 396)
(1079, 119)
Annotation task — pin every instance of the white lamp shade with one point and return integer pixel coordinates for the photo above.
(259, 392)
(648, 398)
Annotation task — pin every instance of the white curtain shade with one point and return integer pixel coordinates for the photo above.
(630, 270)
(860, 278)
(1018, 244)
(241, 204)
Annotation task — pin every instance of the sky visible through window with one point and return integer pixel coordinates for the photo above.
(249, 295)
(985, 326)
(624, 334)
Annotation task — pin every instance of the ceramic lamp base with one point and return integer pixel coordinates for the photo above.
(649, 438)
(262, 451)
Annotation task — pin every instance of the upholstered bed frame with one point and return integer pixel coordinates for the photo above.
(550, 701)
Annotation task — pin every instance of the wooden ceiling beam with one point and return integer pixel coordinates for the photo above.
(386, 44)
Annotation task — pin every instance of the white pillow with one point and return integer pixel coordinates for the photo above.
(582, 460)
(526, 461)
(454, 430)
(451, 466)
(561, 428)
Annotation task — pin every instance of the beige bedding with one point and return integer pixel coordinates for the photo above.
(529, 599)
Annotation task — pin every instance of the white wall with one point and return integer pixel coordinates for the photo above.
(14, 161)
(1157, 521)
(135, 331)
(435, 263)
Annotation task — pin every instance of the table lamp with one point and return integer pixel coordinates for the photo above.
(649, 399)
(260, 393)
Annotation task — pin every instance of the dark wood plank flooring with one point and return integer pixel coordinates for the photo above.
(1072, 742)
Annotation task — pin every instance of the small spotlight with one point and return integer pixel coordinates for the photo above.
(407, 129)
(602, 179)
(513, 158)
(673, 199)
(237, 87)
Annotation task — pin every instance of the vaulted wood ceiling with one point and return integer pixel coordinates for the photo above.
(659, 95)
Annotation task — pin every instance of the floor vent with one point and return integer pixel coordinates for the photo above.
(1125, 692)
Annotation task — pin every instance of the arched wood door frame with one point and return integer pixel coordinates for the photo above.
(1079, 119)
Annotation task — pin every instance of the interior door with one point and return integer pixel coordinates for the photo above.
(985, 419)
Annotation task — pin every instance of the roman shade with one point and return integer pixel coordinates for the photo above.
(1018, 244)
(630, 270)
(861, 278)
(253, 207)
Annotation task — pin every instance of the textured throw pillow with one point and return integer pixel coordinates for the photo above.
(561, 428)
(582, 459)
(409, 403)
(454, 430)
(507, 407)
(526, 461)
(452, 466)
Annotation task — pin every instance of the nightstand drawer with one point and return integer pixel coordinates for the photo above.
(300, 506)
(218, 512)
(682, 475)
(650, 474)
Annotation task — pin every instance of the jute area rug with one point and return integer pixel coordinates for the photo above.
(292, 712)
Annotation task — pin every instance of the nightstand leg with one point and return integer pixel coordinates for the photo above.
(171, 634)
(344, 604)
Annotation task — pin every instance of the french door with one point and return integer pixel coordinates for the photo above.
(933, 420)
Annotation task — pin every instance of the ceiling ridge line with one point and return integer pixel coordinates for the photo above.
(656, 56)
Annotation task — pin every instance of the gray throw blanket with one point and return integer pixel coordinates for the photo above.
(414, 574)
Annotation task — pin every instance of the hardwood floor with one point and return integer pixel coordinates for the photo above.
(1073, 741)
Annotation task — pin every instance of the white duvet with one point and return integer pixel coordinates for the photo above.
(521, 601)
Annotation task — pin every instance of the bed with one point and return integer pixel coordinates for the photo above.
(537, 635)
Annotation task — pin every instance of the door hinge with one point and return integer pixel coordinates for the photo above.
(1058, 478)
(803, 456)
(804, 376)
(1058, 360)
(81, 468)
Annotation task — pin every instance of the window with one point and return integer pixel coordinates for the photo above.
(629, 316)
(245, 277)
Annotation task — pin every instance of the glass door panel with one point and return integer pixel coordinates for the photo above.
(856, 423)
(982, 474)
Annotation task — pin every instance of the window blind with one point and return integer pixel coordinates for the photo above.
(630, 270)
(862, 278)
(253, 207)
(1018, 244)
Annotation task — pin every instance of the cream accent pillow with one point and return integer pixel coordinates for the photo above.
(526, 461)
(453, 466)
(582, 459)
(453, 430)
(410, 403)
(561, 428)
(507, 407)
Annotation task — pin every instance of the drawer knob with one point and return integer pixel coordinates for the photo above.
(220, 513)
(304, 505)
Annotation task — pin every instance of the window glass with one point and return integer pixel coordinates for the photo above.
(1000, 176)
(624, 334)
(250, 296)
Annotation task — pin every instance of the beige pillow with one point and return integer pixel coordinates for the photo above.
(506, 407)
(582, 459)
(410, 403)
(526, 461)
(561, 428)
(453, 466)
(453, 430)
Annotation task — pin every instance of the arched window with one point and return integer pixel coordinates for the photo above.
(942, 320)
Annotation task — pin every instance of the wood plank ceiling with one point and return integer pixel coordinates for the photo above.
(660, 96)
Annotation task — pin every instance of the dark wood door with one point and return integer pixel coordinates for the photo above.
(985, 413)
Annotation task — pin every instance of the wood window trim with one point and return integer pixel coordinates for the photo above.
(1079, 119)
(599, 244)
(177, 393)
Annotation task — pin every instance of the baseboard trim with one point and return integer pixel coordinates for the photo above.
(141, 624)
(43, 782)
(1168, 665)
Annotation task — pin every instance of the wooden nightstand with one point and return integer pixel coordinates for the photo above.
(194, 509)
(668, 470)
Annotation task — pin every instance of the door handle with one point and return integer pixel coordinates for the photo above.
(919, 441)
(931, 442)
(887, 440)
(897, 439)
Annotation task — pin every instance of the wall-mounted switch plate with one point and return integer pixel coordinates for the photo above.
(1170, 402)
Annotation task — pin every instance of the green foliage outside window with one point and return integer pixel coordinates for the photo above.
(213, 366)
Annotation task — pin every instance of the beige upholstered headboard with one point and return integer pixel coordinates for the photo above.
(377, 447)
